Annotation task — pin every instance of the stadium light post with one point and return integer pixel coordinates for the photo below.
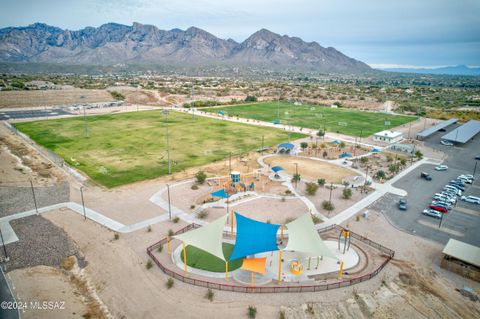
(167, 141)
(83, 203)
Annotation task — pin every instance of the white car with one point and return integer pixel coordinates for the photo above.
(465, 179)
(441, 168)
(432, 213)
(446, 143)
(454, 189)
(471, 199)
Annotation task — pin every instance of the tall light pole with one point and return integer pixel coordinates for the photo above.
(83, 203)
(34, 198)
(169, 206)
(167, 141)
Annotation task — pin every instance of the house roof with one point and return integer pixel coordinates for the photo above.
(463, 251)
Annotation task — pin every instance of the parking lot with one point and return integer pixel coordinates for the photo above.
(463, 221)
(11, 115)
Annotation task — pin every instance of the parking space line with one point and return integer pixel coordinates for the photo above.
(443, 228)
(467, 211)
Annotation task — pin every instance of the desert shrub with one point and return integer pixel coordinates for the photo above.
(296, 178)
(117, 96)
(169, 283)
(116, 235)
(200, 177)
(149, 264)
(251, 98)
(316, 219)
(192, 206)
(176, 219)
(203, 214)
(311, 188)
(347, 193)
(321, 182)
(149, 228)
(324, 154)
(328, 205)
(252, 312)
(380, 174)
(160, 248)
(210, 294)
(364, 159)
(194, 187)
(281, 314)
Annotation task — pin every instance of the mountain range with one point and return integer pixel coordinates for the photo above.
(448, 70)
(114, 43)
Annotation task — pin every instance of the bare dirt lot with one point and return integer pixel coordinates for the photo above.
(311, 169)
(11, 99)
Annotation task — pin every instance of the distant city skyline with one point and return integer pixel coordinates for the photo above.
(410, 33)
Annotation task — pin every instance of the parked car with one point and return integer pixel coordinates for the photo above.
(446, 143)
(438, 208)
(465, 179)
(442, 204)
(457, 186)
(471, 199)
(477, 157)
(450, 187)
(426, 176)
(432, 213)
(402, 204)
(441, 168)
(444, 198)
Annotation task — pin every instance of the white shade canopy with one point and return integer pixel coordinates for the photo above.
(304, 238)
(208, 238)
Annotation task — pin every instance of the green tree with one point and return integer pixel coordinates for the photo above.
(328, 205)
(341, 145)
(403, 161)
(18, 84)
(200, 177)
(418, 154)
(325, 154)
(321, 133)
(296, 178)
(304, 145)
(380, 174)
(311, 188)
(321, 181)
(251, 98)
(364, 160)
(117, 95)
(347, 193)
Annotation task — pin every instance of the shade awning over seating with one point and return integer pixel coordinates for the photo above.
(277, 169)
(345, 155)
(220, 193)
(375, 150)
(304, 238)
(253, 237)
(289, 146)
(335, 142)
(255, 264)
(208, 238)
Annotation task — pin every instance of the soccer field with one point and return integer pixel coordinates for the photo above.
(129, 147)
(344, 121)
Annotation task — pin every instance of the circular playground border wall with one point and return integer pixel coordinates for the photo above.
(389, 254)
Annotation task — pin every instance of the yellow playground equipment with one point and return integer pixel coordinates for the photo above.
(296, 268)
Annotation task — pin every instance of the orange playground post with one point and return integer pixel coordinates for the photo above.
(226, 270)
(340, 273)
(279, 265)
(281, 232)
(184, 257)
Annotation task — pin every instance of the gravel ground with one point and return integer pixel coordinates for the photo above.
(41, 243)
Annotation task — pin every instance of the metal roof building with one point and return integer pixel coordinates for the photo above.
(463, 251)
(437, 127)
(463, 133)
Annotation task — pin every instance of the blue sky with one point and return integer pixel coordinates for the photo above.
(378, 32)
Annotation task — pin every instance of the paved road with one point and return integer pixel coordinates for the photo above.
(25, 114)
(463, 221)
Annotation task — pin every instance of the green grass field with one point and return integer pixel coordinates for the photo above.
(200, 259)
(344, 121)
(129, 147)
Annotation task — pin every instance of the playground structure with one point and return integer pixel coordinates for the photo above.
(235, 183)
(378, 257)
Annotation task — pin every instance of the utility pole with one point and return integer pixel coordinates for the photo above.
(262, 143)
(85, 130)
(475, 169)
(83, 203)
(34, 199)
(4, 245)
(169, 206)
